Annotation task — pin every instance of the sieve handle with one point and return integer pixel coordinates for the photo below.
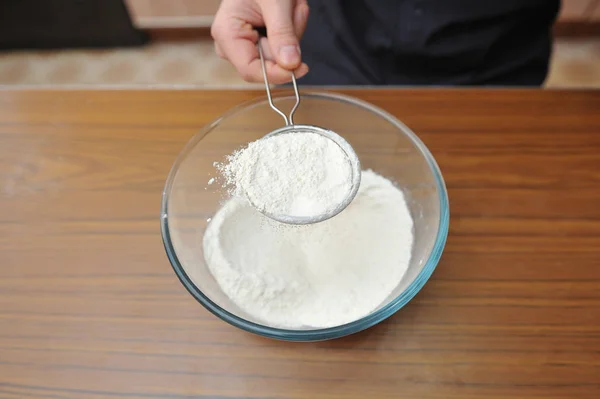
(289, 120)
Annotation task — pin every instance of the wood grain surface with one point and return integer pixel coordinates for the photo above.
(90, 307)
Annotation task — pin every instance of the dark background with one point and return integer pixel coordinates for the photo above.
(55, 24)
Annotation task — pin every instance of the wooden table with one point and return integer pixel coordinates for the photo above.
(90, 307)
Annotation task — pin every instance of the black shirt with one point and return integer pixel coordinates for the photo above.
(429, 42)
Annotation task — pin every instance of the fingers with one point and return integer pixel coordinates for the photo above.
(278, 17)
(266, 48)
(235, 39)
(275, 73)
(219, 52)
(300, 18)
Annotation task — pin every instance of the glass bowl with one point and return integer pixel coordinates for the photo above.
(382, 144)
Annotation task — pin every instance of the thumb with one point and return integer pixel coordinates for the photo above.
(283, 41)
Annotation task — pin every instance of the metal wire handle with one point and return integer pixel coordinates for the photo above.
(289, 120)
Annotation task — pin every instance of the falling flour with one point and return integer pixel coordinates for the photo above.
(294, 174)
(312, 276)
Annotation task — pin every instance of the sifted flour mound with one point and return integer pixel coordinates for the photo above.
(293, 174)
(319, 275)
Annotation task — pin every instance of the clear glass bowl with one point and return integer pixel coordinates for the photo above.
(382, 144)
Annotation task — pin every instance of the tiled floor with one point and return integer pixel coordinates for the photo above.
(172, 13)
(178, 63)
(194, 13)
(576, 63)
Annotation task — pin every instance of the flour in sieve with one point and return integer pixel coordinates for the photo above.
(295, 174)
(319, 275)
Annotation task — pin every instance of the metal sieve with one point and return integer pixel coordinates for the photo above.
(291, 128)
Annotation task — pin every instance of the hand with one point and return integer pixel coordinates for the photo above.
(236, 38)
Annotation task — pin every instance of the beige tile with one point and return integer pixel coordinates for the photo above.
(576, 63)
(189, 63)
(172, 13)
(172, 8)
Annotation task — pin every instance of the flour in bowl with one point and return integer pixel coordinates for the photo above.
(312, 276)
(294, 174)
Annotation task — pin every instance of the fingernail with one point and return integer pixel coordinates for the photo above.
(289, 54)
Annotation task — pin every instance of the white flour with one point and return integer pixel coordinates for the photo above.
(319, 275)
(294, 174)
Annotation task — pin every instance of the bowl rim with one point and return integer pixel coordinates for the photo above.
(323, 333)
